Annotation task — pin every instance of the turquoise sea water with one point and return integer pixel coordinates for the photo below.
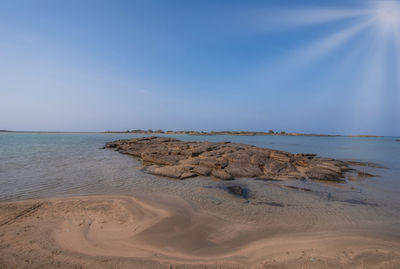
(34, 165)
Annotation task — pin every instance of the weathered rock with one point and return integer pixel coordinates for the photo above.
(188, 175)
(364, 174)
(202, 171)
(222, 174)
(360, 176)
(367, 164)
(319, 173)
(243, 169)
(179, 159)
(174, 171)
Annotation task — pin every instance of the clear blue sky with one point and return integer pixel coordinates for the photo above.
(301, 66)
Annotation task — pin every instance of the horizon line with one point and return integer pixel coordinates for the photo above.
(180, 132)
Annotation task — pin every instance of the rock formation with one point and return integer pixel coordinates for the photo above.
(178, 159)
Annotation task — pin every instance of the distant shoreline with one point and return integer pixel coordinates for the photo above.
(233, 133)
(47, 132)
(213, 133)
(196, 133)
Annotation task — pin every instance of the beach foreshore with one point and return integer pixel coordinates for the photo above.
(164, 231)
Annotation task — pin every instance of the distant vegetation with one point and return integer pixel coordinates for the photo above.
(202, 133)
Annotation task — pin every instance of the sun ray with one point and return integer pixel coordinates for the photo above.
(370, 80)
(369, 77)
(344, 67)
(301, 17)
(319, 48)
(296, 60)
(397, 68)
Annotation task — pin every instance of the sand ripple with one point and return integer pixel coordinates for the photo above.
(164, 231)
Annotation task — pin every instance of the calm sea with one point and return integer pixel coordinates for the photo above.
(35, 165)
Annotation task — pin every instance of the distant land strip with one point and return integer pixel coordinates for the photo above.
(211, 133)
(238, 133)
(200, 133)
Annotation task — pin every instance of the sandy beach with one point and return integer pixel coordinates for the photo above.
(167, 232)
(200, 134)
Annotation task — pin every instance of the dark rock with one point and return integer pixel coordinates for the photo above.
(269, 203)
(360, 176)
(268, 179)
(111, 145)
(367, 164)
(364, 174)
(179, 159)
(274, 204)
(298, 188)
(360, 202)
(238, 191)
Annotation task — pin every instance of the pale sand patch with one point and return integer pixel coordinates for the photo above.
(165, 231)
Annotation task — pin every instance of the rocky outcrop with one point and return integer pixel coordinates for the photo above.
(178, 159)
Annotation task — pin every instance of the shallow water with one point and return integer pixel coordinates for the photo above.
(36, 165)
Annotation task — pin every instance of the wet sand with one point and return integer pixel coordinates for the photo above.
(164, 231)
